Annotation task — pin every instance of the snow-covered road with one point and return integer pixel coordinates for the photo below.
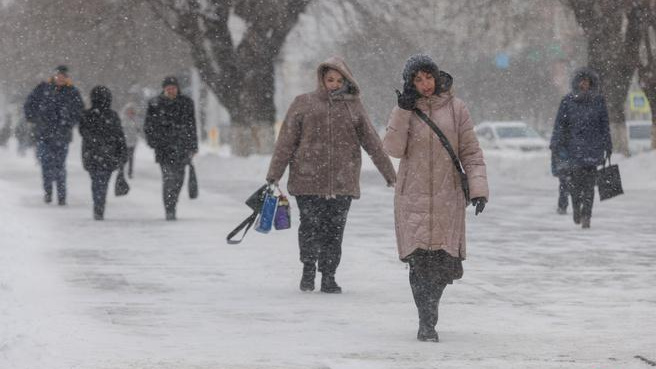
(136, 291)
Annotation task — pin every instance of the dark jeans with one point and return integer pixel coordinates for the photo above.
(427, 284)
(563, 193)
(99, 185)
(53, 167)
(130, 160)
(173, 179)
(321, 230)
(581, 187)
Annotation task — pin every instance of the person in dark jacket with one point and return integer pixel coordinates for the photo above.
(103, 145)
(170, 129)
(581, 138)
(54, 107)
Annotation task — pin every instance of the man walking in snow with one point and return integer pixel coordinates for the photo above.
(54, 107)
(170, 129)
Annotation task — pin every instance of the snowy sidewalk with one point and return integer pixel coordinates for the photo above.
(136, 291)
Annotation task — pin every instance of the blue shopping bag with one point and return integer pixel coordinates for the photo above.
(267, 214)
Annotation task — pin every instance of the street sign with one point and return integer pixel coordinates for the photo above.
(638, 102)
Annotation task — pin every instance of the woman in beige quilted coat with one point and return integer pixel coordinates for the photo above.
(429, 202)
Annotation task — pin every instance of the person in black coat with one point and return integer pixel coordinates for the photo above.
(170, 129)
(103, 145)
(581, 141)
(54, 107)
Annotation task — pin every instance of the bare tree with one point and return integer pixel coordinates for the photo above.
(238, 70)
(647, 68)
(613, 31)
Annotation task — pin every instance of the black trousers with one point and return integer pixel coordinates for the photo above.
(581, 187)
(563, 194)
(321, 230)
(130, 160)
(427, 283)
(172, 181)
(99, 185)
(52, 157)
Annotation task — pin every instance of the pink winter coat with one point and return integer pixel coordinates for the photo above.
(429, 205)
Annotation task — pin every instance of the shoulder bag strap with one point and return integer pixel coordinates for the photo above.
(248, 222)
(449, 149)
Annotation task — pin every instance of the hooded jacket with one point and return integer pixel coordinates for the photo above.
(320, 140)
(429, 205)
(103, 142)
(581, 135)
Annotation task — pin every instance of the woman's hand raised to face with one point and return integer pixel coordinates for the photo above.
(407, 99)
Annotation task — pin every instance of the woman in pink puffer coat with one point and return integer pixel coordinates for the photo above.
(429, 203)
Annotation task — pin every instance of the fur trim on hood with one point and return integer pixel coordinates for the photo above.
(589, 74)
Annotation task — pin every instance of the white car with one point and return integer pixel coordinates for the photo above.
(514, 135)
(639, 132)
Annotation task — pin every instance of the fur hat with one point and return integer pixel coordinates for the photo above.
(417, 63)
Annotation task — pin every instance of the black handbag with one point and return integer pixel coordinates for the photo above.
(609, 181)
(464, 182)
(255, 202)
(121, 186)
(193, 182)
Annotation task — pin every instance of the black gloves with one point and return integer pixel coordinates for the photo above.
(479, 204)
(408, 98)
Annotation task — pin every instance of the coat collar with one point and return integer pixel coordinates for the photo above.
(434, 102)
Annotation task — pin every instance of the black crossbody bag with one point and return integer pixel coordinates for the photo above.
(464, 182)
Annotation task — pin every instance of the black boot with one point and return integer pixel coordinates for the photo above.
(577, 215)
(307, 280)
(98, 212)
(170, 214)
(47, 198)
(328, 284)
(428, 321)
(427, 333)
(585, 222)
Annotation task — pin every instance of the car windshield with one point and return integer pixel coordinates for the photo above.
(516, 132)
(640, 132)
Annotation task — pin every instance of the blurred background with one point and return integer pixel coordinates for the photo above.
(244, 61)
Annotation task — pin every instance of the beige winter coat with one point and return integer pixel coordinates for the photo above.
(320, 140)
(429, 205)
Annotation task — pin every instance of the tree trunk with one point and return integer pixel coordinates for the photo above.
(252, 114)
(241, 76)
(647, 71)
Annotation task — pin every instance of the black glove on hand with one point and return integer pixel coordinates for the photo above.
(479, 203)
(407, 99)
